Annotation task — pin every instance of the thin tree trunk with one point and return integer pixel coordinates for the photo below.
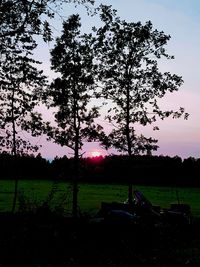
(130, 186)
(15, 196)
(75, 182)
(14, 152)
(76, 158)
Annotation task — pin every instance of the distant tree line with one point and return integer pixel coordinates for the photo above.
(143, 170)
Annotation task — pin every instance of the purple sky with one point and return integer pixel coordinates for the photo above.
(180, 19)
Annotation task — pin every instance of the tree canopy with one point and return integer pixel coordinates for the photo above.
(71, 93)
(128, 54)
(20, 79)
(30, 16)
(73, 58)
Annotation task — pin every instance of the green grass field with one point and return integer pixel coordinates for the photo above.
(91, 195)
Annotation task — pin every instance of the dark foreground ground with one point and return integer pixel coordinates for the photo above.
(41, 241)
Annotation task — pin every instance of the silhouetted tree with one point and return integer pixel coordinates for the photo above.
(20, 22)
(19, 80)
(72, 57)
(30, 16)
(129, 75)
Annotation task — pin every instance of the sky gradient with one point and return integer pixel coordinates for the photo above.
(180, 19)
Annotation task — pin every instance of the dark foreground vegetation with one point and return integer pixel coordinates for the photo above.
(39, 240)
(45, 239)
(143, 170)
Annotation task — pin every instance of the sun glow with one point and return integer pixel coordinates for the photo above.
(96, 153)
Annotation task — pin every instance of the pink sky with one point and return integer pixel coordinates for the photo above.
(180, 19)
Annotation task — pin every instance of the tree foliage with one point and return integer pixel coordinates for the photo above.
(20, 22)
(72, 57)
(128, 54)
(71, 93)
(20, 79)
(30, 16)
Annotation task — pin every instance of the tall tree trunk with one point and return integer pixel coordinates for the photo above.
(75, 181)
(130, 186)
(14, 151)
(76, 157)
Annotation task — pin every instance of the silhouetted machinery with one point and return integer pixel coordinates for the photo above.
(141, 211)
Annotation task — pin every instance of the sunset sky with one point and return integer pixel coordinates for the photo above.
(180, 19)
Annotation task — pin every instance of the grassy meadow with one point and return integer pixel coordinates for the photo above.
(91, 195)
